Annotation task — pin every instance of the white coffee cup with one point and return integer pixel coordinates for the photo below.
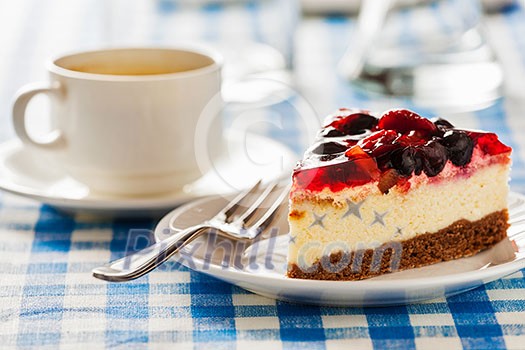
(125, 119)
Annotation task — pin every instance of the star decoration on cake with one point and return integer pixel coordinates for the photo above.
(318, 220)
(353, 209)
(379, 218)
(399, 232)
(291, 239)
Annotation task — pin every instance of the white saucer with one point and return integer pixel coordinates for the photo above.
(245, 159)
(262, 270)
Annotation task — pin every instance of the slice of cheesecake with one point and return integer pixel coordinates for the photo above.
(377, 195)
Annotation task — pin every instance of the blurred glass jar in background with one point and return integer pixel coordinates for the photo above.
(427, 32)
(432, 51)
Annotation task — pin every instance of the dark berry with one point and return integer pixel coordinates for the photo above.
(404, 121)
(329, 148)
(433, 156)
(331, 132)
(459, 147)
(355, 124)
(418, 167)
(442, 123)
(406, 161)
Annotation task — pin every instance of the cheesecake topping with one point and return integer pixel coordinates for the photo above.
(355, 147)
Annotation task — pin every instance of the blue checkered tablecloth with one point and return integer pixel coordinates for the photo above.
(48, 298)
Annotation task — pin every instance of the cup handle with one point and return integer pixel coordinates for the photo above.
(52, 141)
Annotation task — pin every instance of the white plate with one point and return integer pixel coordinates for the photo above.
(246, 158)
(264, 273)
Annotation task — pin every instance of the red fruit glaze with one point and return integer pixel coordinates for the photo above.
(378, 138)
(404, 121)
(379, 142)
(354, 172)
(412, 138)
(375, 147)
(489, 143)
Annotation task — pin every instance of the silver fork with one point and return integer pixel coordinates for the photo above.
(225, 223)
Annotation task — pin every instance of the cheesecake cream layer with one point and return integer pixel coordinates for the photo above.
(462, 239)
(358, 218)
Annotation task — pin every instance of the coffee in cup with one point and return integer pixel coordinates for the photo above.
(125, 119)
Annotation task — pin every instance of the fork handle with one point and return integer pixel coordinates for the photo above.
(139, 263)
